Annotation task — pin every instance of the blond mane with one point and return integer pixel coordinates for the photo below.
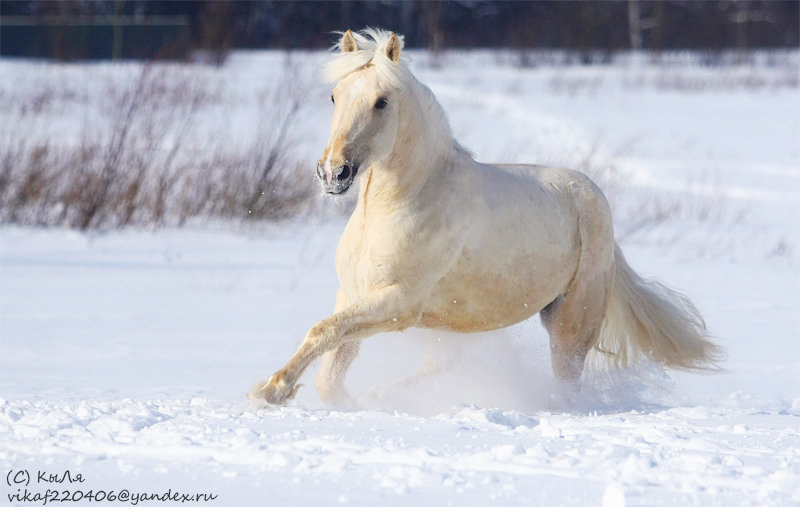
(371, 44)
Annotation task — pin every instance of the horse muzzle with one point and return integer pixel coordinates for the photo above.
(336, 180)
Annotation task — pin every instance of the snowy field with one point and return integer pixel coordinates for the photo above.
(126, 356)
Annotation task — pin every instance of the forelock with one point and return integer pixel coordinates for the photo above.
(371, 50)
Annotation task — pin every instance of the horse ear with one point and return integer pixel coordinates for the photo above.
(348, 43)
(393, 48)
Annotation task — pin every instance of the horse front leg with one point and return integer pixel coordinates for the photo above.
(387, 309)
(332, 372)
(335, 363)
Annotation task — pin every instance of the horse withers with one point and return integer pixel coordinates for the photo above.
(438, 240)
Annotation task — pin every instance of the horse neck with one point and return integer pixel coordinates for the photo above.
(423, 148)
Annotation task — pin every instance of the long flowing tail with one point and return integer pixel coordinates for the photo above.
(646, 319)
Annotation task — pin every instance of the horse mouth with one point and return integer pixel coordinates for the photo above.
(340, 181)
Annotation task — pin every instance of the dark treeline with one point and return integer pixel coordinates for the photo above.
(74, 29)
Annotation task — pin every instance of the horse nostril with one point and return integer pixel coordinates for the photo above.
(344, 173)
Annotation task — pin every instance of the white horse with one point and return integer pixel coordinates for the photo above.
(438, 240)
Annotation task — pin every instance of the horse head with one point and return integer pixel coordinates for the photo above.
(365, 113)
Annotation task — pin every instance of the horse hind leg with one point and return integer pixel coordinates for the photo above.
(574, 320)
(436, 361)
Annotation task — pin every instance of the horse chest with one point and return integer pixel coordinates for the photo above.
(363, 261)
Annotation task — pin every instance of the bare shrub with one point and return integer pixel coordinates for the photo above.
(144, 161)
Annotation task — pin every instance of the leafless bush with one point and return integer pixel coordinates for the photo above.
(145, 162)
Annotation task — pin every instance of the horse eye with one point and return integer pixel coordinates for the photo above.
(332, 99)
(381, 103)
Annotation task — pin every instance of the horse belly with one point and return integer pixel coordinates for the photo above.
(477, 297)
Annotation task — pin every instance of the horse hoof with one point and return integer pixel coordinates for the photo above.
(273, 393)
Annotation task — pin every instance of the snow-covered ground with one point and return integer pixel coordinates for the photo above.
(126, 356)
